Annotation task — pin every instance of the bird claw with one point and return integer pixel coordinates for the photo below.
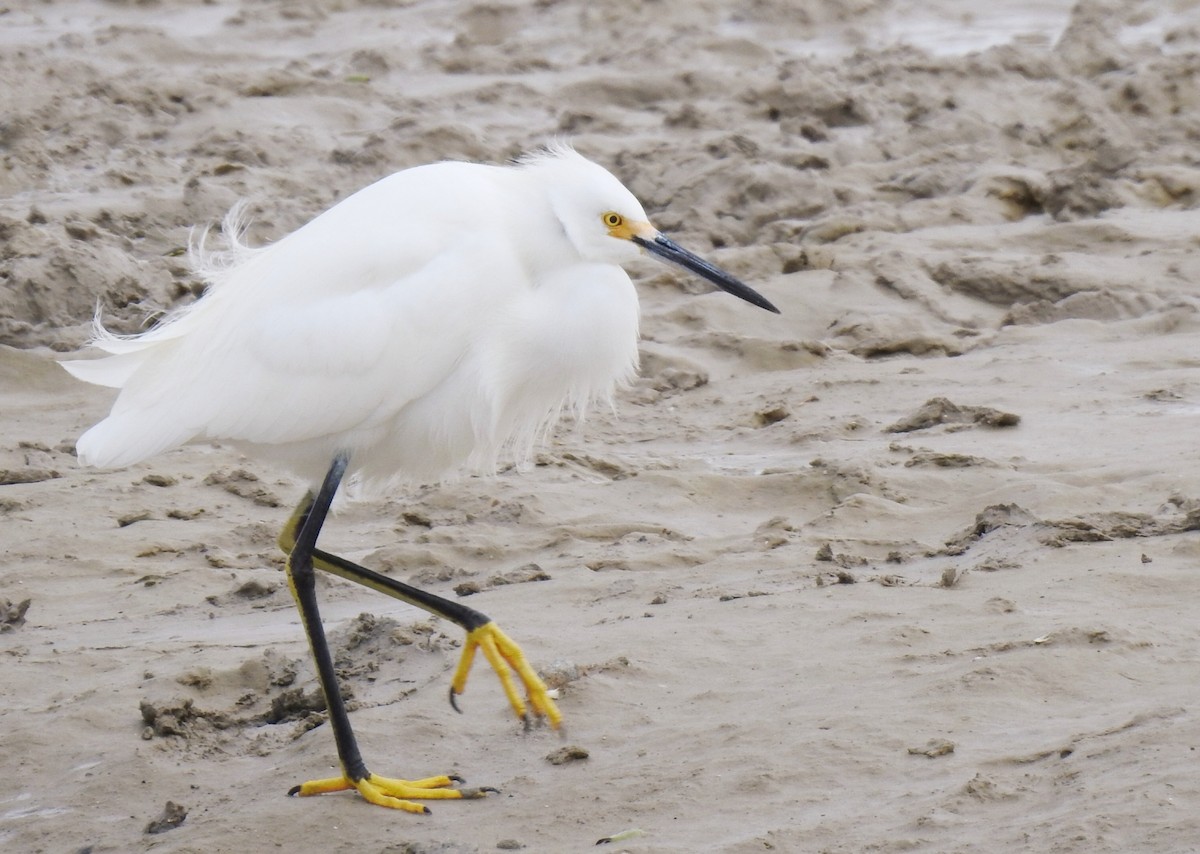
(393, 793)
(479, 791)
(505, 657)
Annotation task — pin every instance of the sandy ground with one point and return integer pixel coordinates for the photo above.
(794, 607)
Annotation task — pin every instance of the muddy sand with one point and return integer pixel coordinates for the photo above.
(911, 567)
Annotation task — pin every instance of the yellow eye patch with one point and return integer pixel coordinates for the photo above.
(620, 227)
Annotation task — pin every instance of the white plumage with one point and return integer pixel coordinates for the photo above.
(420, 325)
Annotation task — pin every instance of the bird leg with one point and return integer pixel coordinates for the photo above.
(504, 655)
(502, 652)
(384, 791)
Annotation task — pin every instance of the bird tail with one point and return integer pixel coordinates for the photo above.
(147, 418)
(127, 353)
(128, 438)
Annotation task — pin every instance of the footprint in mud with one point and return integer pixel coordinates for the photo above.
(378, 661)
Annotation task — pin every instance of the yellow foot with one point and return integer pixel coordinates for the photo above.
(505, 657)
(396, 794)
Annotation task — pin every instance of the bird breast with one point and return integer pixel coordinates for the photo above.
(567, 341)
(570, 340)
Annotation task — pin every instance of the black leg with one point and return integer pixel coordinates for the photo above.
(468, 618)
(303, 584)
(299, 541)
(502, 653)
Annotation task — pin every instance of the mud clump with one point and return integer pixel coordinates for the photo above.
(939, 410)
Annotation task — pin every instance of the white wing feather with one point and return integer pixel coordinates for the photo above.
(332, 329)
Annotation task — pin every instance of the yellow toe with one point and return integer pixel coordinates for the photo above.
(506, 658)
(393, 793)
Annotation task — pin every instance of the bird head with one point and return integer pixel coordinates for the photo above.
(607, 224)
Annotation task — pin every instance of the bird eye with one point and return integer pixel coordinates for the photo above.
(613, 219)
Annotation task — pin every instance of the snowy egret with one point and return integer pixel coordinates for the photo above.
(421, 325)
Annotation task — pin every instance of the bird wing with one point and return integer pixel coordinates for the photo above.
(273, 365)
(353, 360)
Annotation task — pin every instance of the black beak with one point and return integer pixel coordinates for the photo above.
(671, 251)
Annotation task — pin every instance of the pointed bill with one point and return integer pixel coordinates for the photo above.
(669, 250)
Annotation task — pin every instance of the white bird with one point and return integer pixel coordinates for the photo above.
(421, 325)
